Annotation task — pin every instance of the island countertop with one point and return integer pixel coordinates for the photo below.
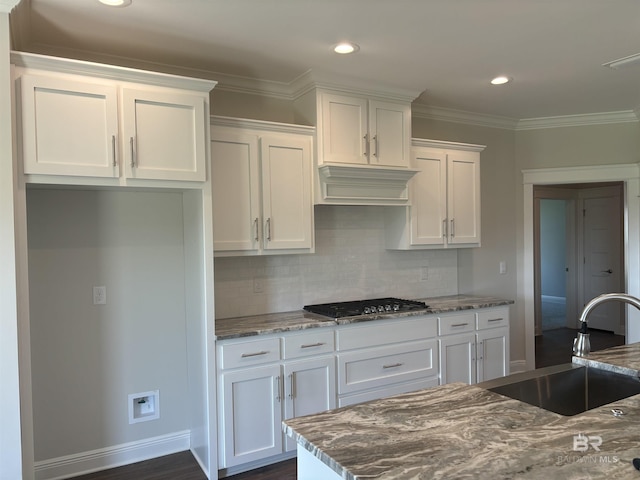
(227, 328)
(461, 431)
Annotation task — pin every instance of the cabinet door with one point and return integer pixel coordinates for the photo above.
(235, 189)
(310, 387)
(343, 130)
(164, 135)
(458, 358)
(463, 197)
(390, 130)
(286, 192)
(68, 127)
(428, 197)
(251, 415)
(492, 353)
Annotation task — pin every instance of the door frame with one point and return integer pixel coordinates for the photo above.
(627, 173)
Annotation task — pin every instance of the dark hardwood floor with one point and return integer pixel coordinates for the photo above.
(552, 348)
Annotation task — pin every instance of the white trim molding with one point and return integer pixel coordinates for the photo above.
(628, 173)
(117, 455)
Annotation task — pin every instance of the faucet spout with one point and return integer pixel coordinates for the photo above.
(581, 343)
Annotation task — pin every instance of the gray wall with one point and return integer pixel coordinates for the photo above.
(87, 358)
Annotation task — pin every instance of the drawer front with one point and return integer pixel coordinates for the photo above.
(368, 395)
(378, 367)
(386, 332)
(315, 343)
(493, 318)
(243, 354)
(458, 323)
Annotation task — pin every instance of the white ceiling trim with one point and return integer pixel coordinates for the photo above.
(625, 116)
(420, 110)
(7, 5)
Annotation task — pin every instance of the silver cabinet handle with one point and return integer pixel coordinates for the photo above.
(459, 325)
(113, 150)
(255, 229)
(254, 354)
(494, 319)
(453, 228)
(393, 365)
(444, 228)
(278, 396)
(366, 145)
(133, 153)
(268, 228)
(375, 144)
(309, 345)
(292, 380)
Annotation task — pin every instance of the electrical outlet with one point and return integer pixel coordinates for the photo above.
(258, 285)
(424, 274)
(503, 267)
(100, 295)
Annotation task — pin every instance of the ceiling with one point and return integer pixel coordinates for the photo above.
(445, 51)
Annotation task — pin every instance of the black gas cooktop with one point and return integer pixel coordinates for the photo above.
(365, 307)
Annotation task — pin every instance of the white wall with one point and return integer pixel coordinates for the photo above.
(87, 358)
(350, 263)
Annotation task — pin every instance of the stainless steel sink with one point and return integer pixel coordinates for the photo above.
(566, 389)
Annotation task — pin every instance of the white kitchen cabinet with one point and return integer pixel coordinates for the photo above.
(262, 190)
(362, 131)
(105, 124)
(474, 346)
(445, 199)
(265, 380)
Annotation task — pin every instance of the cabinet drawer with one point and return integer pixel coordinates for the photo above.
(242, 354)
(375, 394)
(493, 318)
(463, 322)
(316, 343)
(386, 332)
(377, 367)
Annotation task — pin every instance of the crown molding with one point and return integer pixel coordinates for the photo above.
(420, 110)
(625, 116)
(7, 5)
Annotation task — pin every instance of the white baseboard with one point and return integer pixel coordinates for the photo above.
(517, 366)
(109, 457)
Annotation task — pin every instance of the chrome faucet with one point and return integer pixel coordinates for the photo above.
(581, 344)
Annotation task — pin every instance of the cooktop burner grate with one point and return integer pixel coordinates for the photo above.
(365, 307)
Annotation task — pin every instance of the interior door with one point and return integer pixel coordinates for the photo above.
(602, 249)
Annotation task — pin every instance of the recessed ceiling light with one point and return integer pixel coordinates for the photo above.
(501, 80)
(345, 48)
(115, 3)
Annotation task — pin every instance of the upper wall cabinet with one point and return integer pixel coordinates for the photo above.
(262, 191)
(88, 120)
(362, 149)
(445, 199)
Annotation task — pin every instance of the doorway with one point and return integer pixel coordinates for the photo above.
(578, 254)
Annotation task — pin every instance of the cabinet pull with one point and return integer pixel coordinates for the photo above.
(309, 345)
(444, 228)
(366, 145)
(453, 228)
(494, 319)
(255, 229)
(278, 397)
(459, 325)
(113, 150)
(268, 228)
(254, 354)
(292, 391)
(393, 365)
(375, 145)
(133, 153)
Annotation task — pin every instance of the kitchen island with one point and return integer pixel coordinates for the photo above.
(462, 431)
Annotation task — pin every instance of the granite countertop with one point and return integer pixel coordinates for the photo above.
(227, 328)
(462, 431)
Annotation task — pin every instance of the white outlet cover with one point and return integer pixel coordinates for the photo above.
(100, 295)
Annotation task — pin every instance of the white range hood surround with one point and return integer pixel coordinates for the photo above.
(354, 184)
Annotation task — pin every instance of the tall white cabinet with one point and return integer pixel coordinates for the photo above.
(262, 190)
(445, 199)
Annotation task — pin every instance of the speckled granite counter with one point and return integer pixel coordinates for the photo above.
(460, 431)
(227, 328)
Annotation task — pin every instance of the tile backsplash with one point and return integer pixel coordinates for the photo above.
(350, 263)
